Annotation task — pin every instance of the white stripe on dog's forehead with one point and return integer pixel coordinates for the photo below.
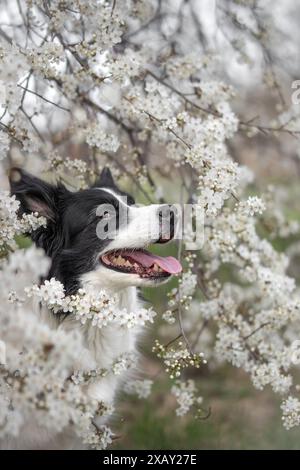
(121, 199)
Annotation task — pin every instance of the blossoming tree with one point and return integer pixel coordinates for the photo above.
(147, 87)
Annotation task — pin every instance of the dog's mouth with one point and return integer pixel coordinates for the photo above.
(141, 262)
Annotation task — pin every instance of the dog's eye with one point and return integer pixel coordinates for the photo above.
(107, 215)
(106, 211)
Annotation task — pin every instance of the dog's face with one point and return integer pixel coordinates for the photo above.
(97, 236)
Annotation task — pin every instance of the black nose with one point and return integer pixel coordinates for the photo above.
(166, 216)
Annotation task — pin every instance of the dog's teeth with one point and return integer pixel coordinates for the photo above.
(120, 260)
(127, 263)
(157, 268)
(136, 265)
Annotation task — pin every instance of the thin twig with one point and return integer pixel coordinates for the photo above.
(45, 99)
(182, 95)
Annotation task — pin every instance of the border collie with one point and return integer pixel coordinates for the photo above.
(96, 239)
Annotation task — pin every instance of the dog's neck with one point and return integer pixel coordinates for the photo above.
(106, 345)
(128, 298)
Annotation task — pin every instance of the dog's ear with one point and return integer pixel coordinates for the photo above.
(34, 194)
(105, 179)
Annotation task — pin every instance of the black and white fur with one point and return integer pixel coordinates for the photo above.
(71, 241)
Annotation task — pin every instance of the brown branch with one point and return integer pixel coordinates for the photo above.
(173, 340)
(110, 116)
(44, 99)
(256, 330)
(267, 129)
(183, 96)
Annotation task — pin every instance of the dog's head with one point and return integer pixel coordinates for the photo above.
(97, 235)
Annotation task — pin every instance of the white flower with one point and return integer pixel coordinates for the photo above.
(12, 225)
(141, 388)
(4, 144)
(96, 137)
(99, 439)
(185, 393)
(291, 412)
(100, 309)
(169, 317)
(124, 362)
(253, 205)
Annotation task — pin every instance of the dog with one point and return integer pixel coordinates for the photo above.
(96, 239)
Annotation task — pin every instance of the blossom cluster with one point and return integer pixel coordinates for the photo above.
(85, 83)
(177, 359)
(186, 396)
(138, 387)
(99, 309)
(11, 225)
(36, 368)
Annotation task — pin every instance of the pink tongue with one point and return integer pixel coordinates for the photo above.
(146, 259)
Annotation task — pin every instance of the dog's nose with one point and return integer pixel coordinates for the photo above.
(166, 216)
(166, 211)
